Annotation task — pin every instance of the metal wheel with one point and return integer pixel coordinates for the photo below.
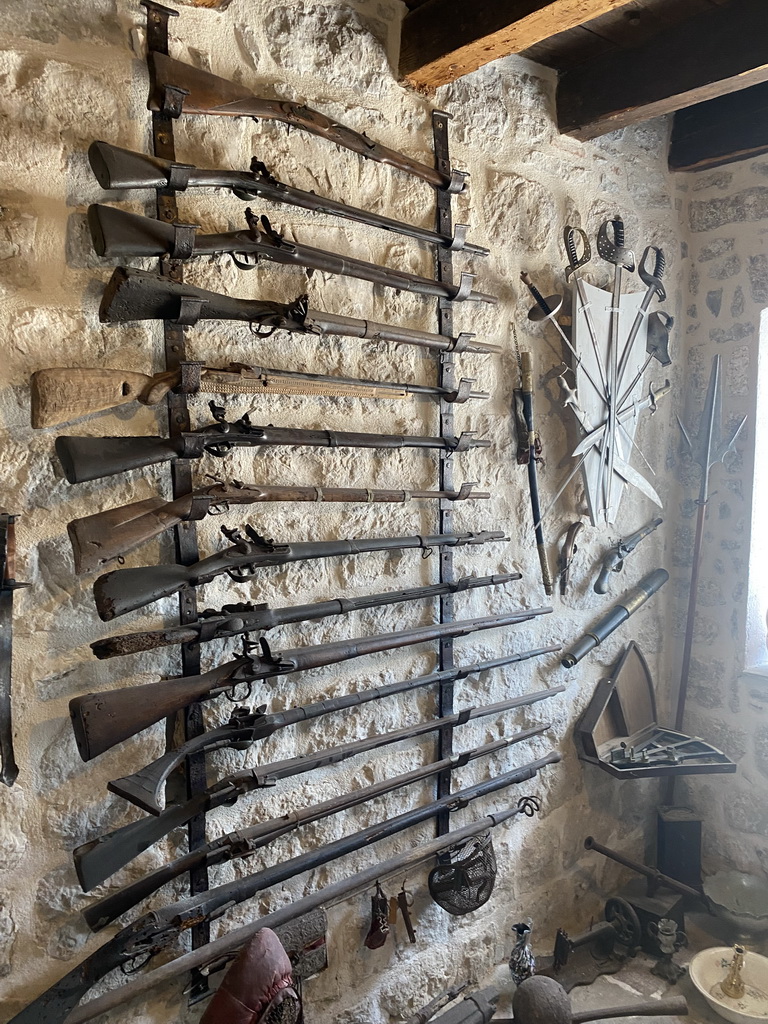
(623, 918)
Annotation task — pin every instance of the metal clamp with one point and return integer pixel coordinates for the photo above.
(458, 182)
(461, 343)
(465, 287)
(190, 310)
(178, 177)
(459, 239)
(200, 506)
(183, 244)
(173, 100)
(191, 374)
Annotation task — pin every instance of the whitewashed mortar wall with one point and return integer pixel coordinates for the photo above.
(73, 73)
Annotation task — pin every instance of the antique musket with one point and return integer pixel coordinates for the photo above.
(144, 788)
(245, 842)
(132, 294)
(107, 536)
(60, 394)
(117, 168)
(59, 1003)
(177, 88)
(233, 620)
(92, 458)
(125, 590)
(117, 233)
(98, 860)
(100, 720)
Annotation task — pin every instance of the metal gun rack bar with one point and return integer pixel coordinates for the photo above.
(446, 379)
(185, 534)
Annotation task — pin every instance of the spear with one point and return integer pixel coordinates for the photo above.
(707, 449)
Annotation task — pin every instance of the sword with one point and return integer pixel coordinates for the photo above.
(9, 770)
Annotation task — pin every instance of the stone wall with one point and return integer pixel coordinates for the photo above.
(74, 73)
(727, 274)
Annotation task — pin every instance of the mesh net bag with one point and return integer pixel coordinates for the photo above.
(465, 883)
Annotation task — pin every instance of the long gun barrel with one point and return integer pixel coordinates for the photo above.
(125, 590)
(655, 877)
(621, 611)
(117, 233)
(138, 295)
(100, 720)
(200, 92)
(58, 1003)
(92, 458)
(107, 536)
(144, 788)
(614, 559)
(247, 841)
(426, 1013)
(246, 618)
(97, 860)
(61, 394)
(117, 168)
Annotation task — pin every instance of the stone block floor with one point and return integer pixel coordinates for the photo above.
(635, 983)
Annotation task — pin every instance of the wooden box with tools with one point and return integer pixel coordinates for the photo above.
(619, 733)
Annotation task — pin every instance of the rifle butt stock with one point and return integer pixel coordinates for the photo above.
(118, 233)
(125, 590)
(91, 458)
(101, 720)
(105, 537)
(116, 168)
(60, 395)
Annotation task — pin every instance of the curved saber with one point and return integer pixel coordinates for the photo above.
(596, 436)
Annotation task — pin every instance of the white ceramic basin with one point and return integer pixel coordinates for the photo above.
(709, 968)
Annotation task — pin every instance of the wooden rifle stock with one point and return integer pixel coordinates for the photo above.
(118, 233)
(60, 395)
(100, 720)
(107, 536)
(125, 590)
(204, 93)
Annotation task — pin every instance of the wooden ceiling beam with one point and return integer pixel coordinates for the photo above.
(445, 39)
(720, 131)
(719, 51)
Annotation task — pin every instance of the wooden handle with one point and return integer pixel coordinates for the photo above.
(60, 395)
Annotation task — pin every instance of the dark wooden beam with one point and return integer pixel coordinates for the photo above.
(445, 39)
(721, 131)
(718, 51)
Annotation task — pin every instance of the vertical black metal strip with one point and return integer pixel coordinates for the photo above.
(181, 475)
(447, 379)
